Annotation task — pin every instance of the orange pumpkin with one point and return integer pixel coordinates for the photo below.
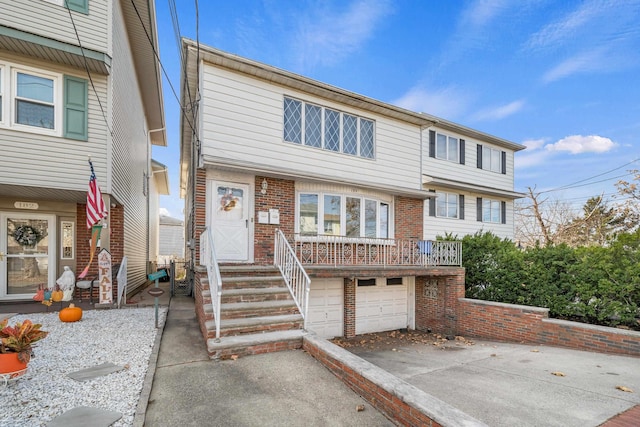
(70, 314)
(57, 295)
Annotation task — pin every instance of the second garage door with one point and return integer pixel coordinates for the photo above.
(325, 307)
(381, 306)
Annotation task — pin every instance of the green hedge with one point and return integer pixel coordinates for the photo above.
(598, 285)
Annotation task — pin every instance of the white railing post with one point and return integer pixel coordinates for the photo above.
(208, 258)
(293, 273)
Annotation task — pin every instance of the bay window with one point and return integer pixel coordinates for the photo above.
(342, 215)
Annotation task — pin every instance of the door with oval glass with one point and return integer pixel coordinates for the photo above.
(230, 221)
(27, 254)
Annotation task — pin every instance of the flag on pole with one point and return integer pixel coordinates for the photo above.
(95, 236)
(96, 209)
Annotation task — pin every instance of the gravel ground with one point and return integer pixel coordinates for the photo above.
(123, 337)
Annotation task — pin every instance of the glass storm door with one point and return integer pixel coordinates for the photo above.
(27, 254)
(230, 220)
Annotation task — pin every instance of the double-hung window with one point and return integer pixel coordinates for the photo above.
(446, 147)
(342, 215)
(491, 159)
(493, 211)
(321, 127)
(42, 102)
(447, 205)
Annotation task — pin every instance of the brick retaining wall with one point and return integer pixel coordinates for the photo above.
(518, 323)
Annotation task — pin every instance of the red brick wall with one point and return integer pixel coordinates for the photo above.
(408, 217)
(349, 314)
(516, 323)
(83, 247)
(437, 299)
(200, 210)
(280, 195)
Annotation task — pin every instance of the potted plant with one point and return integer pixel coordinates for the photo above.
(15, 344)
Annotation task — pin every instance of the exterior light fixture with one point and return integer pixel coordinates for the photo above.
(264, 186)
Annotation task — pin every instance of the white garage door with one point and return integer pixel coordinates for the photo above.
(325, 307)
(381, 307)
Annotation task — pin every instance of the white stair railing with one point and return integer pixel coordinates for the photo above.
(208, 259)
(293, 274)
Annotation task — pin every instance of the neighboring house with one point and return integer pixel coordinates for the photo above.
(349, 182)
(78, 78)
(171, 240)
(158, 185)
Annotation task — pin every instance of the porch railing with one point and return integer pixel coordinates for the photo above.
(208, 258)
(293, 274)
(342, 251)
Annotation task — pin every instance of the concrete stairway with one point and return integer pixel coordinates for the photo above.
(258, 314)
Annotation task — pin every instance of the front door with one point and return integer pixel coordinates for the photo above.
(27, 254)
(230, 221)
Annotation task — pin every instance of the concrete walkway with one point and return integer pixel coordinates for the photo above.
(277, 389)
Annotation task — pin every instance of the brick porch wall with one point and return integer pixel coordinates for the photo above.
(408, 218)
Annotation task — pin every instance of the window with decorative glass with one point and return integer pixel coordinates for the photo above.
(321, 127)
(342, 215)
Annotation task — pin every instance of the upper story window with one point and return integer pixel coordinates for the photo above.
(41, 102)
(493, 211)
(342, 215)
(491, 159)
(447, 205)
(332, 130)
(446, 147)
(76, 5)
(35, 100)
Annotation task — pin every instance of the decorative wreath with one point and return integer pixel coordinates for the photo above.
(228, 202)
(26, 235)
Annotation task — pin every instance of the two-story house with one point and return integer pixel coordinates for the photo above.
(78, 79)
(332, 188)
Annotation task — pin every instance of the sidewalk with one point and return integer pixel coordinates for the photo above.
(276, 389)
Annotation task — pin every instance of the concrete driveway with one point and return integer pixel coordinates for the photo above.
(514, 385)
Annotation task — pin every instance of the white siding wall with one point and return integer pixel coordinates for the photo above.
(437, 226)
(172, 240)
(40, 168)
(242, 120)
(468, 172)
(129, 153)
(26, 15)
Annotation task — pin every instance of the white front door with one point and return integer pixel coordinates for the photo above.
(230, 221)
(381, 307)
(27, 254)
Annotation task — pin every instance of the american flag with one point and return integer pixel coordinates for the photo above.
(96, 209)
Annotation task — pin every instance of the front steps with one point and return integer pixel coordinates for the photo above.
(258, 314)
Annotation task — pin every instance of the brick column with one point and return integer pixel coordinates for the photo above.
(280, 195)
(349, 307)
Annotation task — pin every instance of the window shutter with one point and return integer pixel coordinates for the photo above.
(479, 162)
(461, 203)
(479, 209)
(462, 151)
(81, 6)
(76, 101)
(504, 162)
(432, 206)
(432, 143)
(503, 212)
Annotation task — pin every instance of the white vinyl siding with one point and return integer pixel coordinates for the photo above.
(468, 172)
(242, 117)
(434, 226)
(129, 154)
(26, 15)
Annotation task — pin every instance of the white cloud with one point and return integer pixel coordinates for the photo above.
(482, 12)
(576, 144)
(567, 26)
(164, 212)
(500, 112)
(447, 103)
(326, 36)
(584, 62)
(534, 144)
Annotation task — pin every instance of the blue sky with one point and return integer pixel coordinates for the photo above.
(560, 77)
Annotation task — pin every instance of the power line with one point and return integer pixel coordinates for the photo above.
(573, 185)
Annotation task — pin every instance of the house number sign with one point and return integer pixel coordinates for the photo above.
(26, 205)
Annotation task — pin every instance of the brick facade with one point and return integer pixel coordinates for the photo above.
(349, 314)
(200, 210)
(280, 195)
(408, 218)
(83, 248)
